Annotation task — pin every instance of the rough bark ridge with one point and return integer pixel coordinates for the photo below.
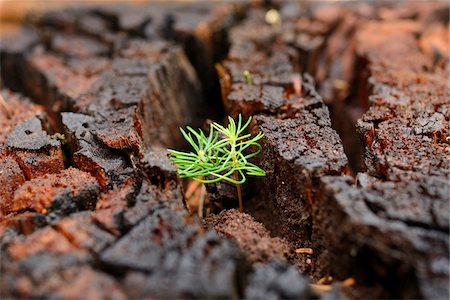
(362, 57)
(91, 207)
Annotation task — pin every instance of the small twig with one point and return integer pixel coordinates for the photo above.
(348, 282)
(248, 77)
(193, 185)
(201, 201)
(304, 250)
(297, 82)
(320, 289)
(324, 280)
(5, 107)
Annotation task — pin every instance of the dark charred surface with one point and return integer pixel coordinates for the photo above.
(108, 166)
(299, 145)
(64, 192)
(34, 149)
(393, 230)
(97, 210)
(277, 280)
(401, 134)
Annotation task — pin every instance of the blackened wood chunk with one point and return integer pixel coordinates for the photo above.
(56, 82)
(141, 49)
(13, 49)
(95, 26)
(44, 241)
(209, 267)
(38, 163)
(131, 66)
(109, 166)
(158, 167)
(296, 152)
(275, 69)
(112, 91)
(277, 280)
(77, 46)
(11, 177)
(385, 44)
(154, 195)
(144, 247)
(110, 208)
(270, 85)
(22, 278)
(160, 83)
(402, 142)
(30, 136)
(126, 18)
(35, 150)
(223, 195)
(62, 193)
(19, 109)
(40, 266)
(15, 224)
(408, 91)
(402, 227)
(76, 128)
(68, 278)
(174, 91)
(248, 99)
(253, 36)
(121, 130)
(64, 20)
(81, 230)
(81, 282)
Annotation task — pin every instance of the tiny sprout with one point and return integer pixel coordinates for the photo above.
(226, 158)
(247, 77)
(60, 137)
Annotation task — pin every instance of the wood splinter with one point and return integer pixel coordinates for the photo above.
(304, 251)
(297, 83)
(5, 107)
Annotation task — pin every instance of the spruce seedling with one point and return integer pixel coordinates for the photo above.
(223, 154)
(247, 77)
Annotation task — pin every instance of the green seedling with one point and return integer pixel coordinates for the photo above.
(60, 137)
(223, 154)
(247, 77)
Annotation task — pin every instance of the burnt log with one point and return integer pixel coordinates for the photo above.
(388, 230)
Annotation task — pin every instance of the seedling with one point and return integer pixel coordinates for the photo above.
(247, 77)
(60, 137)
(223, 154)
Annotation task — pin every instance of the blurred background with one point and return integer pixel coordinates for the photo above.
(12, 12)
